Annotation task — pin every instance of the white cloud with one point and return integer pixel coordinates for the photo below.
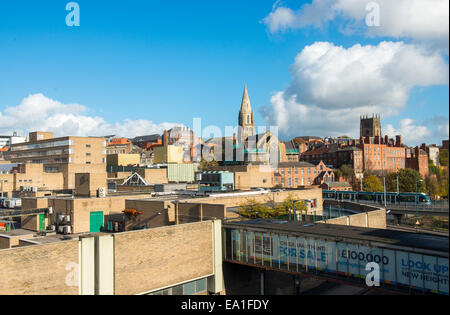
(332, 86)
(412, 132)
(40, 113)
(420, 20)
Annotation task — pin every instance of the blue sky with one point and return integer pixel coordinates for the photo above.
(168, 61)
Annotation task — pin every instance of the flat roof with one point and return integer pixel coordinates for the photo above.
(17, 232)
(341, 233)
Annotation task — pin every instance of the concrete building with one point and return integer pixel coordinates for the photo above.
(168, 154)
(216, 181)
(67, 155)
(433, 153)
(123, 159)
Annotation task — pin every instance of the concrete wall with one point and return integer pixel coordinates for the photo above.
(11, 241)
(194, 212)
(38, 270)
(157, 258)
(154, 176)
(123, 159)
(155, 214)
(374, 219)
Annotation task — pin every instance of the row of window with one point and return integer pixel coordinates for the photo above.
(190, 288)
(302, 171)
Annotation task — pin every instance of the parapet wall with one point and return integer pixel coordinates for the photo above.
(370, 216)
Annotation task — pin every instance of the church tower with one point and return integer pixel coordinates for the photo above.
(246, 119)
(371, 127)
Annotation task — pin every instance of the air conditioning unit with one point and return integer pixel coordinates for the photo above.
(61, 229)
(67, 229)
(52, 228)
(60, 218)
(34, 189)
(101, 192)
(50, 210)
(67, 219)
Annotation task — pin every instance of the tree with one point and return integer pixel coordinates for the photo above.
(443, 157)
(372, 183)
(407, 179)
(433, 187)
(338, 174)
(254, 209)
(347, 171)
(205, 165)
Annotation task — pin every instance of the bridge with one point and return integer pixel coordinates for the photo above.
(438, 210)
(409, 263)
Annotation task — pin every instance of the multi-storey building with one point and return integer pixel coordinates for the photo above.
(383, 155)
(336, 157)
(68, 155)
(433, 153)
(119, 146)
(302, 174)
(417, 159)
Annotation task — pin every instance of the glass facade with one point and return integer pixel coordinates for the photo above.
(336, 258)
(198, 287)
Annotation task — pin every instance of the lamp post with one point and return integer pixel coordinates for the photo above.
(417, 201)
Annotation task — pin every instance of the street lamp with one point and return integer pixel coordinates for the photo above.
(417, 201)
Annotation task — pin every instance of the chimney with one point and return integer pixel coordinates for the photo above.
(165, 138)
(386, 140)
(377, 140)
(398, 141)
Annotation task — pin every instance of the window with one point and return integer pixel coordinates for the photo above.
(88, 154)
(88, 145)
(88, 162)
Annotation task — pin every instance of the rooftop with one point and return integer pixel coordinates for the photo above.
(339, 233)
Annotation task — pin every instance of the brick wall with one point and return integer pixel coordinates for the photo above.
(38, 270)
(151, 259)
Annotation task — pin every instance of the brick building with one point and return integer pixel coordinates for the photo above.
(119, 146)
(336, 156)
(383, 155)
(417, 159)
(302, 174)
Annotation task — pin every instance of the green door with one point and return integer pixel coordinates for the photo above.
(42, 222)
(96, 221)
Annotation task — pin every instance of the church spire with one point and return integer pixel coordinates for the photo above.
(245, 105)
(246, 118)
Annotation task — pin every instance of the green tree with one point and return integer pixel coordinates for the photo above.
(338, 174)
(432, 186)
(443, 157)
(372, 183)
(408, 178)
(347, 171)
(206, 166)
